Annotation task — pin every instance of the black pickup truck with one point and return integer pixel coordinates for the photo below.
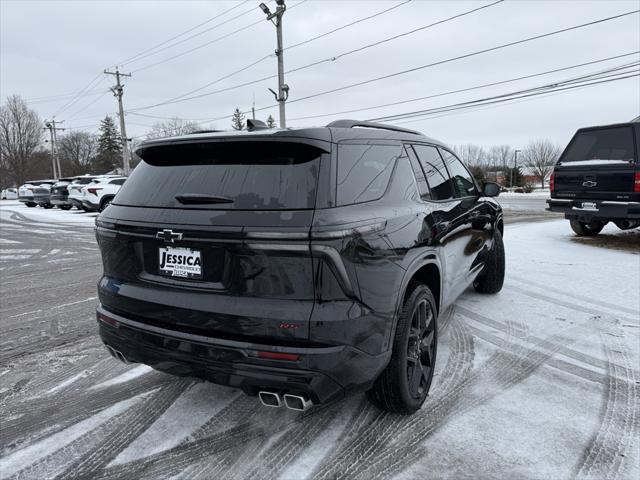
(597, 179)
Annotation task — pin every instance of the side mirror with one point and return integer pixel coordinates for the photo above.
(490, 189)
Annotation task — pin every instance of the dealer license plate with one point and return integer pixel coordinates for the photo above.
(180, 262)
(589, 206)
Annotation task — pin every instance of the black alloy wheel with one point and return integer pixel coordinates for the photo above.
(421, 349)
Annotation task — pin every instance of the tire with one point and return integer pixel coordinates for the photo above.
(583, 229)
(404, 384)
(30, 204)
(104, 203)
(47, 206)
(64, 207)
(492, 277)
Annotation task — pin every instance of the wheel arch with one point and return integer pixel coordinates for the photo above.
(104, 200)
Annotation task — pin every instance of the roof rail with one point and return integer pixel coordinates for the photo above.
(359, 123)
(204, 131)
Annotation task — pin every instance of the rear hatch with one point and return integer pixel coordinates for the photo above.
(212, 239)
(598, 164)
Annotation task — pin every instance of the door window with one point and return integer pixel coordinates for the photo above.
(463, 183)
(435, 172)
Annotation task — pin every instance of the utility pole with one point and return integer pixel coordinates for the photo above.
(55, 161)
(118, 91)
(283, 88)
(515, 165)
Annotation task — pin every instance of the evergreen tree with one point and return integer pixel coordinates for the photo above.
(271, 122)
(109, 154)
(237, 121)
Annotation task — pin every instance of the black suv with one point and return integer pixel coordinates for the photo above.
(597, 179)
(296, 264)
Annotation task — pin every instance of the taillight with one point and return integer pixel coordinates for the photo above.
(93, 191)
(291, 357)
(636, 182)
(552, 182)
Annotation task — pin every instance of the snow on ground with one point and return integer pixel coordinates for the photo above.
(534, 194)
(539, 381)
(39, 216)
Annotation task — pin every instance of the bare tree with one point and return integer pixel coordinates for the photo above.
(77, 150)
(471, 155)
(20, 138)
(540, 156)
(500, 156)
(172, 128)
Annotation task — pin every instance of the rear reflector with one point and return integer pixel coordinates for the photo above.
(291, 357)
(108, 320)
(636, 182)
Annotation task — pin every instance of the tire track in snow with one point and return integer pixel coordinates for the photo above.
(369, 442)
(611, 306)
(124, 430)
(525, 362)
(604, 457)
(34, 422)
(438, 408)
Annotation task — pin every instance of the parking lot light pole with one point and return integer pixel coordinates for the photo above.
(515, 165)
(283, 88)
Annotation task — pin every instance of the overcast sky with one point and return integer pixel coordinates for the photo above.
(52, 48)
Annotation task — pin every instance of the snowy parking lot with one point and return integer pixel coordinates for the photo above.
(539, 381)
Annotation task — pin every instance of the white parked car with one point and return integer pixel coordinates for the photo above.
(97, 195)
(74, 189)
(26, 191)
(9, 194)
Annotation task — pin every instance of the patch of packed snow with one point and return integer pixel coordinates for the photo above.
(125, 377)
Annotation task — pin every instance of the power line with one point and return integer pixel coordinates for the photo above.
(304, 42)
(73, 115)
(460, 57)
(138, 55)
(467, 89)
(355, 22)
(80, 93)
(182, 98)
(210, 42)
(541, 90)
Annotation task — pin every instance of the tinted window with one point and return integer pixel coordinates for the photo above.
(462, 180)
(364, 171)
(604, 144)
(434, 170)
(254, 175)
(418, 174)
(119, 181)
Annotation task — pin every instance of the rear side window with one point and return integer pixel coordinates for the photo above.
(250, 175)
(364, 171)
(608, 144)
(463, 183)
(119, 181)
(435, 172)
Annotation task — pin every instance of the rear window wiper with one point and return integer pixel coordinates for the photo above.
(201, 199)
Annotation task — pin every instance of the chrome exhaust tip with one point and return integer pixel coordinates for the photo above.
(118, 355)
(297, 402)
(270, 399)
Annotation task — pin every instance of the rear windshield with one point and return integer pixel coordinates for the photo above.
(607, 144)
(247, 175)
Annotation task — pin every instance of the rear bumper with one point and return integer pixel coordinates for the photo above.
(89, 205)
(59, 200)
(603, 210)
(324, 373)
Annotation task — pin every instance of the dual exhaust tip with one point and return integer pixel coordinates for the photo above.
(292, 402)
